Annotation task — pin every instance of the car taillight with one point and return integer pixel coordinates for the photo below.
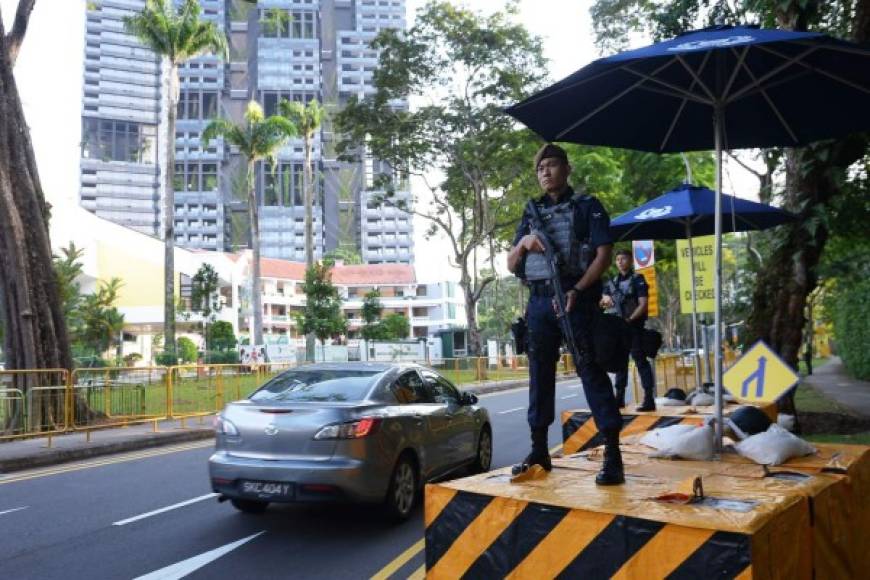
(352, 430)
(225, 427)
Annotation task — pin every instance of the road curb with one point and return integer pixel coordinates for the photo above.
(48, 457)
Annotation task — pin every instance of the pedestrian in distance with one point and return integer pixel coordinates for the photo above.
(627, 296)
(577, 227)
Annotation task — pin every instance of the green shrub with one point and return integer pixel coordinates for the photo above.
(852, 328)
(166, 359)
(187, 350)
(218, 357)
(221, 337)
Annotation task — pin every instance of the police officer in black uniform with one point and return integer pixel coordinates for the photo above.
(627, 295)
(579, 227)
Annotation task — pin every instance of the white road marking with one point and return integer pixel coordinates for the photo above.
(18, 509)
(511, 411)
(185, 567)
(165, 509)
(571, 396)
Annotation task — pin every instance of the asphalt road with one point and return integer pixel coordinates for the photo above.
(152, 514)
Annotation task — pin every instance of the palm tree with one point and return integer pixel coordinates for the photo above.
(259, 139)
(177, 35)
(307, 119)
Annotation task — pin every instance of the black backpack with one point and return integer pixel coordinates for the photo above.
(611, 341)
(651, 342)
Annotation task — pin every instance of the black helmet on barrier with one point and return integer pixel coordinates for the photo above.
(676, 394)
(748, 420)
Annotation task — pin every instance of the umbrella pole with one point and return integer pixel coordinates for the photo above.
(717, 280)
(696, 357)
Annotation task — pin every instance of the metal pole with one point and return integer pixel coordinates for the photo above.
(695, 356)
(717, 279)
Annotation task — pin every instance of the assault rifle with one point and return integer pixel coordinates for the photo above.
(559, 301)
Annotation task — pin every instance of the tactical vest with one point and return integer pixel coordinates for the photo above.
(624, 295)
(573, 256)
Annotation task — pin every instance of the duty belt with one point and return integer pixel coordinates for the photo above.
(544, 288)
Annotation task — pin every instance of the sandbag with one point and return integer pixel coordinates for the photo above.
(665, 436)
(666, 402)
(700, 399)
(774, 446)
(697, 444)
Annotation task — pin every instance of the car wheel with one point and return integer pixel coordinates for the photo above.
(249, 506)
(483, 461)
(402, 493)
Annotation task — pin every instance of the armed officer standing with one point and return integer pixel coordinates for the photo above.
(627, 295)
(578, 227)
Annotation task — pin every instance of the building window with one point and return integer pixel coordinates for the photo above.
(284, 186)
(196, 104)
(270, 99)
(195, 176)
(279, 23)
(109, 140)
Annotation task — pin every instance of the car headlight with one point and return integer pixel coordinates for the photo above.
(225, 427)
(352, 430)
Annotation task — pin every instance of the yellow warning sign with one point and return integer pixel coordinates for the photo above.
(703, 249)
(759, 375)
(649, 275)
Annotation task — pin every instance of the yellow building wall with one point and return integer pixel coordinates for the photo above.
(143, 279)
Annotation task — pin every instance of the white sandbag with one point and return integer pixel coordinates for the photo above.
(774, 446)
(695, 444)
(665, 436)
(785, 421)
(728, 397)
(702, 400)
(666, 402)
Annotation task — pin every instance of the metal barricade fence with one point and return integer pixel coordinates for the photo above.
(677, 371)
(205, 389)
(118, 395)
(33, 401)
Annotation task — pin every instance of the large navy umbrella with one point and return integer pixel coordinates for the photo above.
(689, 211)
(718, 88)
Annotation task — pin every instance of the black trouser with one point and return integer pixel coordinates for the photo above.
(544, 340)
(643, 368)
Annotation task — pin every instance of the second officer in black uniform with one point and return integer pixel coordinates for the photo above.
(579, 227)
(627, 295)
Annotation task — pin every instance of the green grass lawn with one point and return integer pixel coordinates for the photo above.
(854, 439)
(809, 400)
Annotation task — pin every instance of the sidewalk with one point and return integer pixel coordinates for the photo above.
(832, 381)
(31, 453)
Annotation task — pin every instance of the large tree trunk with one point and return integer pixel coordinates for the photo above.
(35, 329)
(256, 298)
(813, 176)
(169, 215)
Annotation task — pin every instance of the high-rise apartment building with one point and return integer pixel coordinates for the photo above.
(278, 49)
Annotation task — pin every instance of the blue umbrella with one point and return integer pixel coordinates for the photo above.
(689, 211)
(753, 87)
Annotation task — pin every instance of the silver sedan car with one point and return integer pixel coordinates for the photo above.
(368, 432)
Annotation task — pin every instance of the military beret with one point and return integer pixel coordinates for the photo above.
(550, 150)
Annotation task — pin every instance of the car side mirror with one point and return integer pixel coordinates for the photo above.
(468, 399)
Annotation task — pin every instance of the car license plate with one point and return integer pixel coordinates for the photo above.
(267, 489)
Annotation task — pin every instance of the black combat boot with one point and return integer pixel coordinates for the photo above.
(540, 454)
(649, 402)
(611, 472)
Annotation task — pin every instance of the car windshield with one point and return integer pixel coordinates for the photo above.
(318, 385)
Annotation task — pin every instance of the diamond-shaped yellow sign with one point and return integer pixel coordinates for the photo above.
(759, 375)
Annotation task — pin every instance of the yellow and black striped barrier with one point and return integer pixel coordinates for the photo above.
(564, 526)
